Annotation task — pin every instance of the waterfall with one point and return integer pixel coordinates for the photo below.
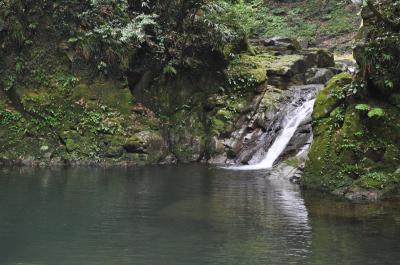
(297, 112)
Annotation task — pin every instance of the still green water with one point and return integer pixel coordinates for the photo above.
(184, 215)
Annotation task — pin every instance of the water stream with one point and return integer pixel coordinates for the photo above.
(295, 113)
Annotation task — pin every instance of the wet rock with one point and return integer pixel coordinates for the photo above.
(48, 155)
(56, 161)
(250, 144)
(218, 160)
(135, 144)
(295, 178)
(114, 151)
(148, 146)
(5, 161)
(288, 66)
(28, 161)
(287, 70)
(346, 65)
(319, 76)
(325, 59)
(301, 138)
(283, 45)
(169, 159)
(362, 195)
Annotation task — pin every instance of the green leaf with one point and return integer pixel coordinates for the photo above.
(363, 107)
(389, 83)
(376, 112)
(72, 40)
(169, 69)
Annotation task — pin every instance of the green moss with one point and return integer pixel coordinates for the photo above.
(322, 159)
(249, 67)
(187, 134)
(224, 114)
(330, 97)
(70, 145)
(217, 124)
(113, 94)
(355, 154)
(271, 97)
(76, 120)
(282, 64)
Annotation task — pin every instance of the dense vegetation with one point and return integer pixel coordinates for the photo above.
(105, 32)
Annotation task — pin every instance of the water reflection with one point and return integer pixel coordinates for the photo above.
(183, 215)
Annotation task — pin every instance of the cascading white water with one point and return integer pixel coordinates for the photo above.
(291, 123)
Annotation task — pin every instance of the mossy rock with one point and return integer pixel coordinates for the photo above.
(187, 135)
(250, 66)
(322, 158)
(149, 145)
(325, 59)
(327, 99)
(113, 146)
(357, 157)
(111, 93)
(135, 144)
(71, 145)
(287, 65)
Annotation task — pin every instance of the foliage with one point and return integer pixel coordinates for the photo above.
(308, 20)
(169, 70)
(376, 112)
(371, 112)
(383, 66)
(244, 17)
(105, 33)
(363, 107)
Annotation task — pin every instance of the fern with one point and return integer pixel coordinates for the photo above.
(169, 70)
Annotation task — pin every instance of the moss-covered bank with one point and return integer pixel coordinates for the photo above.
(353, 153)
(356, 150)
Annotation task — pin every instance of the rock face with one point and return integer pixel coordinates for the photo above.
(286, 76)
(86, 122)
(222, 115)
(250, 143)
